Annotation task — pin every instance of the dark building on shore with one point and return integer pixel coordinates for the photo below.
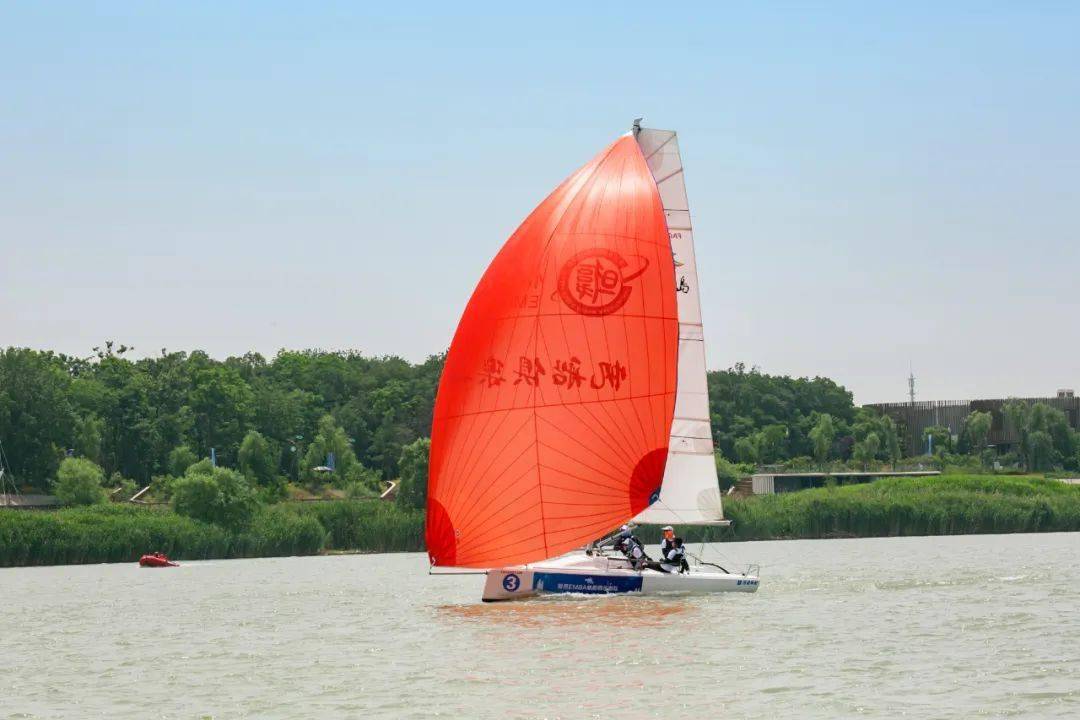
(913, 418)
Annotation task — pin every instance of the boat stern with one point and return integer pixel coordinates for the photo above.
(508, 584)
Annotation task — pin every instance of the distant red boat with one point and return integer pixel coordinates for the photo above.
(156, 560)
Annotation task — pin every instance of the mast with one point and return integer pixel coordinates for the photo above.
(690, 493)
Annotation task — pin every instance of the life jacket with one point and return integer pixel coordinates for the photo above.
(666, 545)
(634, 551)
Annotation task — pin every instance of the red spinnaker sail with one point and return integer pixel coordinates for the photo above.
(552, 419)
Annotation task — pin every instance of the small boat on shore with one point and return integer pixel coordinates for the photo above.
(156, 560)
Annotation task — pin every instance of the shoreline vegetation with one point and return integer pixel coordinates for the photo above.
(218, 448)
(945, 505)
(121, 533)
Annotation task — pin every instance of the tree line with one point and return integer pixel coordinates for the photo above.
(281, 420)
(278, 418)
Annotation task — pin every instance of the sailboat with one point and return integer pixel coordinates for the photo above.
(573, 400)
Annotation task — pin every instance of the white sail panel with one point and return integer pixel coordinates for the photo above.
(690, 493)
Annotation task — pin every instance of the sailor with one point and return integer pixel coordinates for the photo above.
(674, 559)
(618, 540)
(634, 550)
(667, 539)
(626, 542)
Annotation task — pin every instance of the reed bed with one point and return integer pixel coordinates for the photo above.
(114, 533)
(368, 526)
(944, 505)
(104, 534)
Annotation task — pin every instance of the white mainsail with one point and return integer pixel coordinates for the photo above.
(690, 494)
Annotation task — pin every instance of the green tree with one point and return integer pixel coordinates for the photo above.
(770, 442)
(1016, 415)
(330, 438)
(822, 437)
(743, 402)
(180, 459)
(120, 488)
(1041, 453)
(205, 466)
(867, 422)
(393, 408)
(221, 402)
(413, 464)
(36, 417)
(865, 451)
(1046, 439)
(746, 450)
(88, 434)
(1054, 422)
(728, 473)
(363, 481)
(222, 497)
(258, 460)
(79, 482)
(941, 439)
(891, 439)
(977, 430)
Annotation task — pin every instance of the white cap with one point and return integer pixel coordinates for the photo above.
(667, 527)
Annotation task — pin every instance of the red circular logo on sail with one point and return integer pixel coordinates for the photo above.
(596, 282)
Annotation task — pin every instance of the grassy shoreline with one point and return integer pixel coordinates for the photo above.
(115, 533)
(891, 507)
(946, 505)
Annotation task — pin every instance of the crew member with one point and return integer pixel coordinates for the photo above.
(634, 550)
(667, 540)
(617, 540)
(674, 559)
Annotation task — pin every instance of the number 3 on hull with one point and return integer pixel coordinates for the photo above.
(574, 398)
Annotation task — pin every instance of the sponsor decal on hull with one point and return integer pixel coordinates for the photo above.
(597, 585)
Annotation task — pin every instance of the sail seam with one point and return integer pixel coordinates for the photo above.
(476, 482)
(664, 180)
(659, 147)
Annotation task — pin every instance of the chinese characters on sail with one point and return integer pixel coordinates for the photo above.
(565, 373)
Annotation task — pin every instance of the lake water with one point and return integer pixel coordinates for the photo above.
(948, 627)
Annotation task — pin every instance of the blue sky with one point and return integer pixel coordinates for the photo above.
(871, 186)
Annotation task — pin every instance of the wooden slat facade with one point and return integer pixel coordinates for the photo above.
(913, 418)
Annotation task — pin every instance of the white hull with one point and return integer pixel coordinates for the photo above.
(599, 575)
